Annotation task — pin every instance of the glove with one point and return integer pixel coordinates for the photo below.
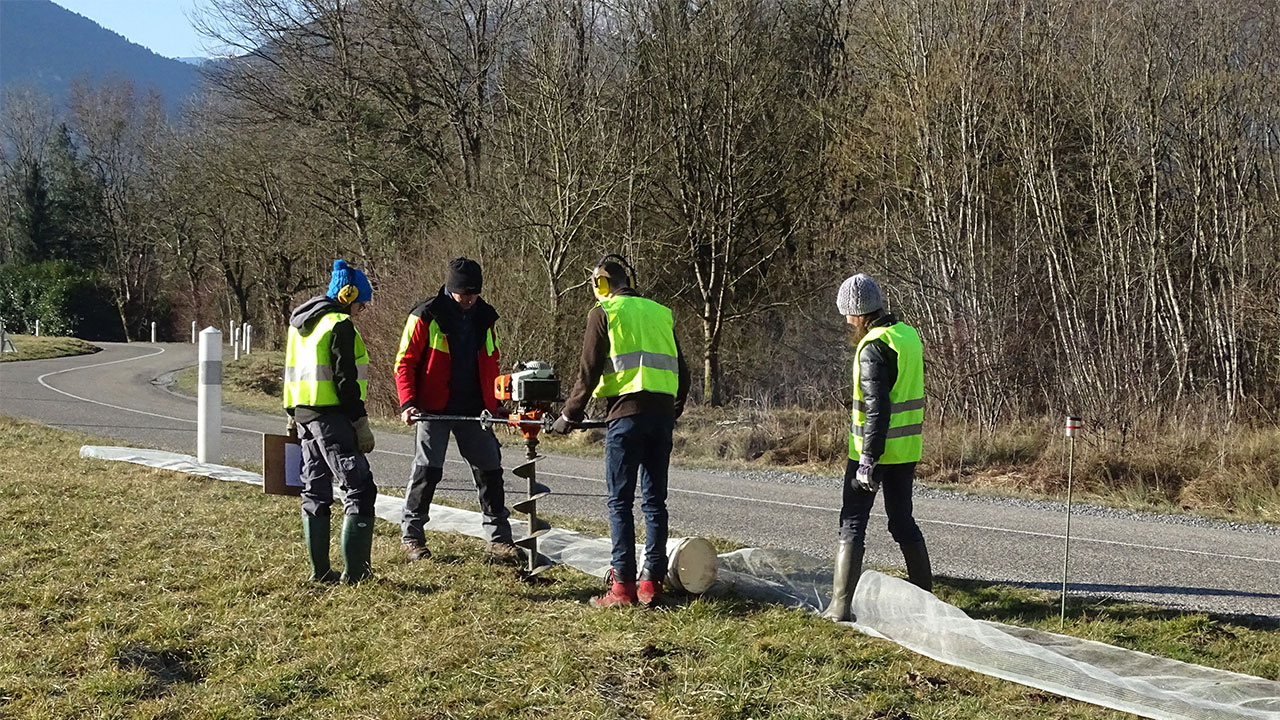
(364, 436)
(561, 426)
(291, 428)
(866, 478)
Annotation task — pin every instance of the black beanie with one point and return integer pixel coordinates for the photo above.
(464, 276)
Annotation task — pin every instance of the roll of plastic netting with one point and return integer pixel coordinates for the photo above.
(1094, 672)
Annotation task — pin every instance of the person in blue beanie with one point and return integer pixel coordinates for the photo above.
(325, 388)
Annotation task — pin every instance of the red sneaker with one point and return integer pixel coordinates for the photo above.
(618, 595)
(649, 592)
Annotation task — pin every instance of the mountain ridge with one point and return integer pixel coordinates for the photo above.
(47, 47)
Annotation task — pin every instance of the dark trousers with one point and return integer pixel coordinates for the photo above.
(480, 448)
(329, 451)
(895, 482)
(638, 447)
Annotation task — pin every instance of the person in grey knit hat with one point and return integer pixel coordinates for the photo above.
(885, 439)
(859, 295)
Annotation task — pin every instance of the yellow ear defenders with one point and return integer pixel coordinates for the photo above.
(347, 294)
(600, 276)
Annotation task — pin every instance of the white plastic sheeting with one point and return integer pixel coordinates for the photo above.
(171, 461)
(1094, 672)
(893, 609)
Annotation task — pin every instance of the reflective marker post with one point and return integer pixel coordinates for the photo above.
(153, 331)
(209, 400)
(248, 330)
(37, 328)
(1072, 425)
(235, 343)
(193, 332)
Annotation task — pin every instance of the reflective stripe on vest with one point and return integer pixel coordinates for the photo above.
(642, 346)
(308, 370)
(904, 441)
(438, 341)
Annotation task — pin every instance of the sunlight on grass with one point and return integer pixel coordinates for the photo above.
(140, 593)
(30, 347)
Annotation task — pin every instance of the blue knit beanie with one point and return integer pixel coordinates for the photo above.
(344, 275)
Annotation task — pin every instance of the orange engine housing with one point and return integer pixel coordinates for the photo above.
(502, 386)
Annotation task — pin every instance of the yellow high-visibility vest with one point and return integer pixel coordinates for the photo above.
(905, 440)
(308, 368)
(642, 348)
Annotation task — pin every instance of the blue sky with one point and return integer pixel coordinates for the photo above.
(162, 26)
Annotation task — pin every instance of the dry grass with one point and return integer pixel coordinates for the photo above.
(1169, 467)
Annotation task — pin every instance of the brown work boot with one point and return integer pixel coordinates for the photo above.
(504, 550)
(415, 550)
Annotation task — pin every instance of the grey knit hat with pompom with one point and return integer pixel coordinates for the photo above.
(859, 295)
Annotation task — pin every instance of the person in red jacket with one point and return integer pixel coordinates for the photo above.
(446, 365)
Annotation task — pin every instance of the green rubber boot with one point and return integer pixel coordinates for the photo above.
(848, 570)
(357, 542)
(315, 535)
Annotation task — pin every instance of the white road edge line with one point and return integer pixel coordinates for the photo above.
(678, 490)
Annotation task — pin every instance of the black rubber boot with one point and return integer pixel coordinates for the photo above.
(357, 542)
(919, 573)
(315, 535)
(848, 570)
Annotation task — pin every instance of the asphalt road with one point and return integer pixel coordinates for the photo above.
(1180, 562)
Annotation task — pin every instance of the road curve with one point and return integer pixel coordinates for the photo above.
(1180, 562)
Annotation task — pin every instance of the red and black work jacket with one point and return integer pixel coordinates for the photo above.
(423, 364)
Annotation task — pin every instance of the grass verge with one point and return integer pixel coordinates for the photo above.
(140, 593)
(30, 347)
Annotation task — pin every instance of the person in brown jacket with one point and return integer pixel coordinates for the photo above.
(631, 359)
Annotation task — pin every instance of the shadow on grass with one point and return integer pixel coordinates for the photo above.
(164, 668)
(721, 603)
(1005, 602)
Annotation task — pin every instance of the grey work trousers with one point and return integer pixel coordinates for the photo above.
(481, 450)
(329, 451)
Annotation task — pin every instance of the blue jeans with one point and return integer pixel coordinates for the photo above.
(895, 482)
(639, 445)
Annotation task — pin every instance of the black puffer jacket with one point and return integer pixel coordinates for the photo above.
(877, 372)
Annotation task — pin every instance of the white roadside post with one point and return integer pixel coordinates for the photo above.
(37, 328)
(248, 330)
(193, 332)
(1073, 424)
(209, 400)
(231, 331)
(153, 331)
(235, 343)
